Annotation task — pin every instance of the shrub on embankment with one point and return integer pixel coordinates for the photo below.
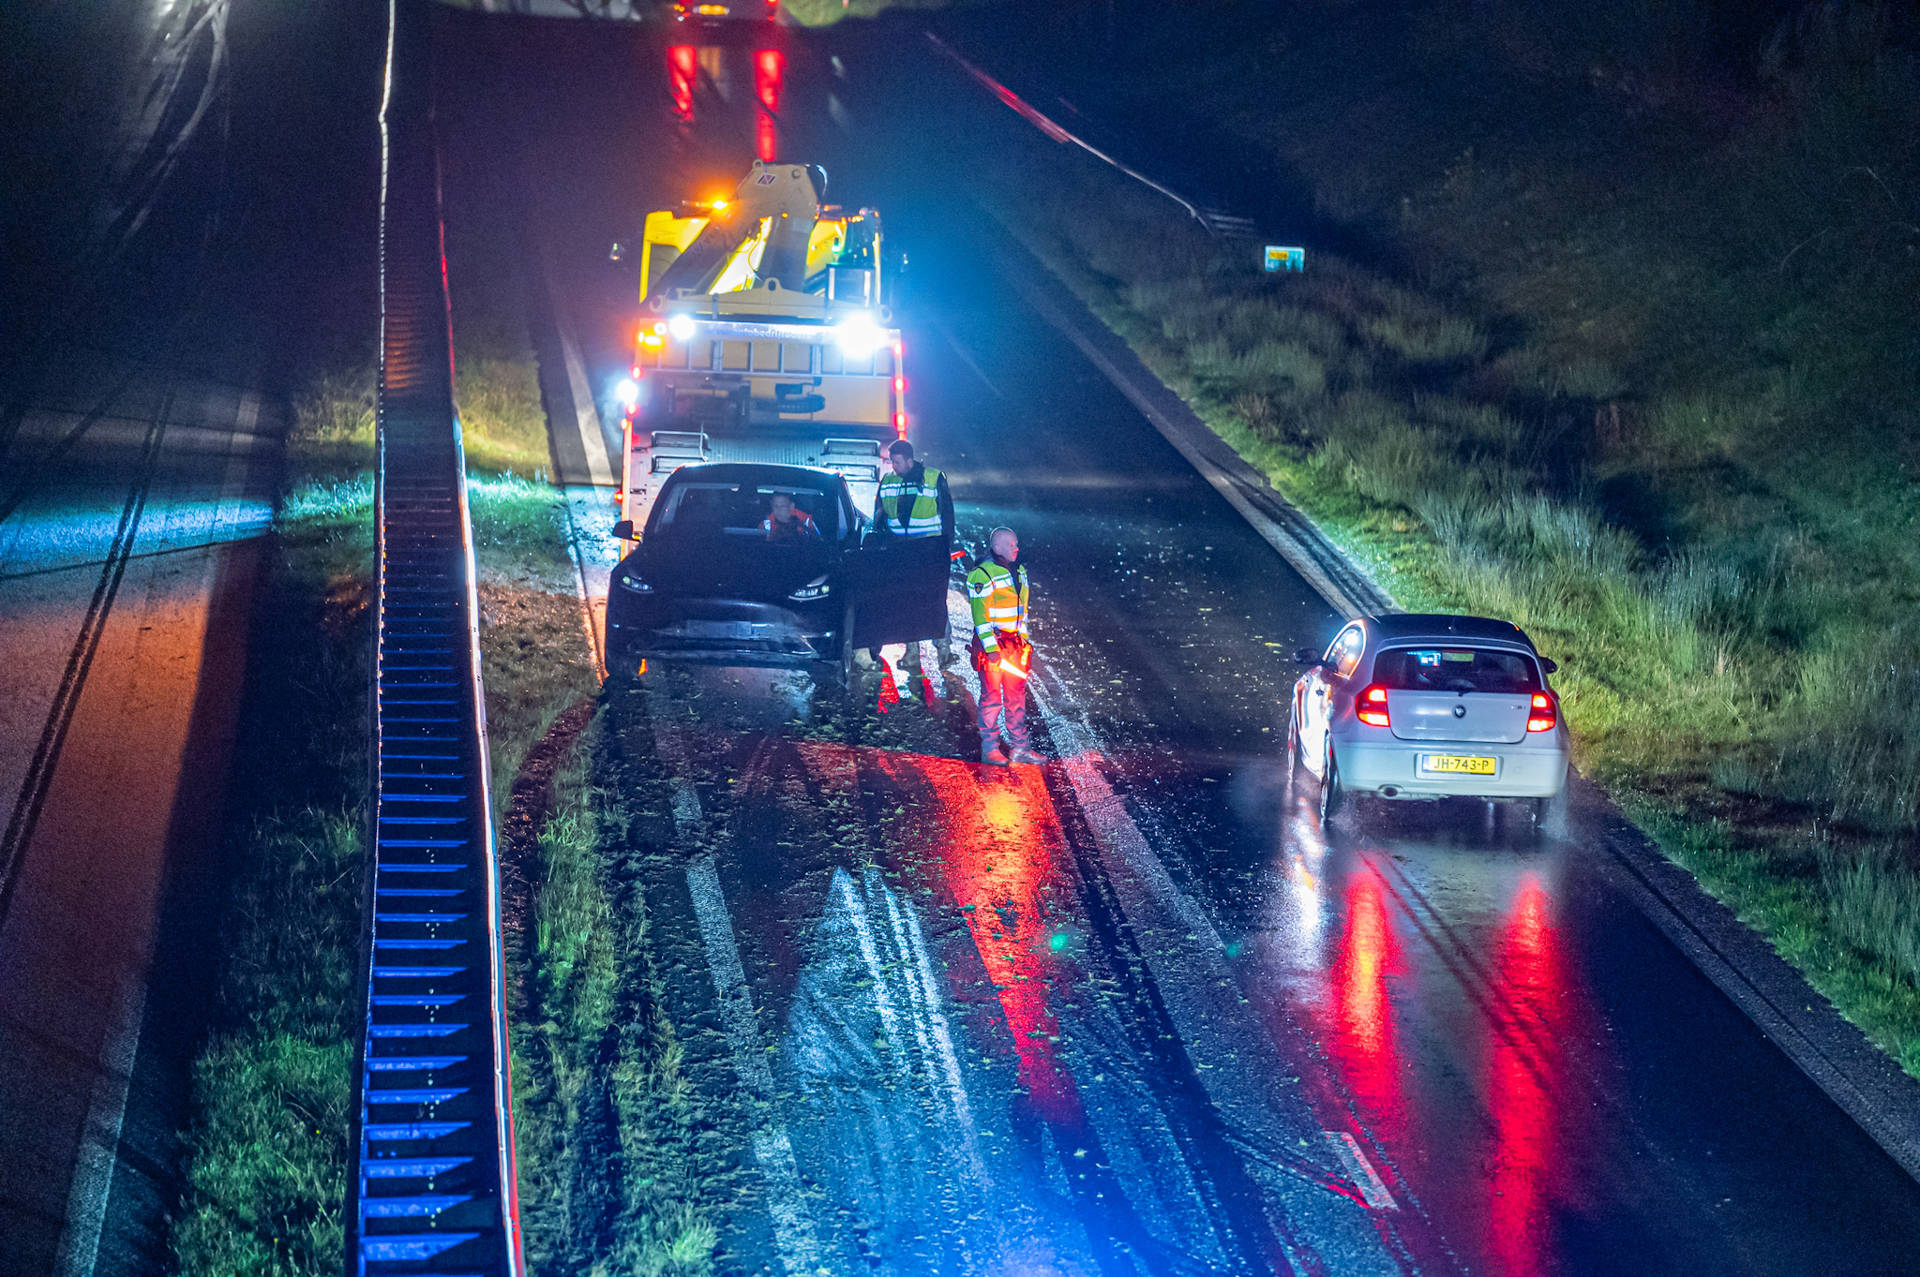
(1633, 363)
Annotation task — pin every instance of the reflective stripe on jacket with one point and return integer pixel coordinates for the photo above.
(998, 597)
(800, 525)
(923, 503)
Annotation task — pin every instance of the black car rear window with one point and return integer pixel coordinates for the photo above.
(1455, 669)
(738, 510)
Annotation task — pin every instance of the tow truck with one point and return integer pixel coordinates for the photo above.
(765, 337)
(766, 343)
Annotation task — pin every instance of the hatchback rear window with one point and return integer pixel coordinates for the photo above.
(1455, 669)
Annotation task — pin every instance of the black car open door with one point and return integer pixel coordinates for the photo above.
(900, 591)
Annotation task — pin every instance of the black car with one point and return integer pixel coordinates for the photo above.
(718, 578)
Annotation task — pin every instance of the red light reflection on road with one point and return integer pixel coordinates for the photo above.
(1521, 1066)
(769, 67)
(683, 66)
(1364, 1042)
(996, 841)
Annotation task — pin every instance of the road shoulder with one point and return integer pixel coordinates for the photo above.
(1834, 1054)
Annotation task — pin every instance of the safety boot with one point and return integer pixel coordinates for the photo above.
(992, 755)
(1022, 754)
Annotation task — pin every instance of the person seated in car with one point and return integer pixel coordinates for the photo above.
(786, 521)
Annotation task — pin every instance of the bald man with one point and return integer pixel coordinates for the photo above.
(997, 594)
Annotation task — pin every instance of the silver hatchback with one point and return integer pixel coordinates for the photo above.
(1425, 706)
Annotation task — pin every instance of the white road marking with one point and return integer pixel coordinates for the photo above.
(930, 1028)
(1211, 1024)
(1291, 548)
(100, 1145)
(98, 1154)
(687, 813)
(1106, 811)
(920, 976)
(772, 1149)
(1365, 1178)
(248, 414)
(870, 954)
(586, 414)
(593, 602)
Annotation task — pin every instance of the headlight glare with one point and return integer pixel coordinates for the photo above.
(859, 336)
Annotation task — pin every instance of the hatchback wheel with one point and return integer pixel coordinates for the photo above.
(1550, 814)
(1333, 796)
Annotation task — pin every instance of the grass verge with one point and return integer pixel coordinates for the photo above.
(266, 1154)
(602, 1108)
(267, 1161)
(825, 13)
(1711, 530)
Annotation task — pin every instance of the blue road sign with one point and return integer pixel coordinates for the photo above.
(1279, 258)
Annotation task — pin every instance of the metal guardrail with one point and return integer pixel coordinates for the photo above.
(1217, 222)
(433, 1190)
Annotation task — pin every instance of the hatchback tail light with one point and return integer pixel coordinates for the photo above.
(1371, 707)
(1543, 714)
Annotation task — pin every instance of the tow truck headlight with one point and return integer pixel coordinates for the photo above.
(818, 588)
(680, 327)
(627, 392)
(634, 583)
(859, 336)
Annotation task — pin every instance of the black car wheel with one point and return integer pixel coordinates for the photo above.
(1333, 796)
(839, 671)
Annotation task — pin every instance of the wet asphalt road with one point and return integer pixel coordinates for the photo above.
(1139, 1012)
(160, 229)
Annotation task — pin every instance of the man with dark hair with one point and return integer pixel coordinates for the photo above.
(914, 500)
(786, 521)
(914, 506)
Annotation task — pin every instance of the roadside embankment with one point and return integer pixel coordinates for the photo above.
(267, 1155)
(1632, 371)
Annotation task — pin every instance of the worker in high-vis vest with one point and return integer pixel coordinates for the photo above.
(913, 500)
(914, 504)
(1001, 652)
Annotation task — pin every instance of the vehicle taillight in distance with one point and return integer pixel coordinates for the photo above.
(1542, 715)
(769, 68)
(682, 64)
(1371, 707)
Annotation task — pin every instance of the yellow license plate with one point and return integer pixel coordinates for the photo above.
(1460, 763)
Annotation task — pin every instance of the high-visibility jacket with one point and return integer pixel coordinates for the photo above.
(801, 525)
(923, 503)
(998, 597)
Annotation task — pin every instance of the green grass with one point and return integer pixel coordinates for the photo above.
(824, 13)
(266, 1155)
(267, 1161)
(601, 1106)
(500, 415)
(1686, 468)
